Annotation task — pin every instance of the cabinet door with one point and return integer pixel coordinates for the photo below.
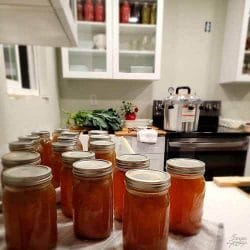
(93, 56)
(137, 39)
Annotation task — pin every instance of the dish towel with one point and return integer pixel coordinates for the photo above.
(147, 136)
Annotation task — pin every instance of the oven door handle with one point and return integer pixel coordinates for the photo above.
(211, 145)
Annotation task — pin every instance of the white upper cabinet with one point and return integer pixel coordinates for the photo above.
(236, 48)
(119, 46)
(37, 22)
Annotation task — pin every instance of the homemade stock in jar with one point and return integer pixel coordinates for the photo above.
(57, 132)
(187, 193)
(104, 150)
(45, 149)
(68, 159)
(56, 160)
(124, 163)
(104, 137)
(146, 210)
(34, 139)
(29, 205)
(73, 135)
(92, 199)
(22, 146)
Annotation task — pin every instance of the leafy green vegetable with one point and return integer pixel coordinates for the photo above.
(104, 119)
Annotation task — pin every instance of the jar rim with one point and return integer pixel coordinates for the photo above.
(102, 145)
(27, 175)
(21, 145)
(185, 166)
(104, 137)
(59, 146)
(129, 161)
(34, 138)
(98, 132)
(73, 156)
(60, 130)
(92, 168)
(70, 133)
(147, 180)
(41, 133)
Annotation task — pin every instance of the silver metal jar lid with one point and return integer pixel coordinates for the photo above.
(131, 161)
(62, 147)
(70, 134)
(21, 145)
(92, 168)
(41, 133)
(16, 158)
(66, 139)
(100, 138)
(27, 175)
(72, 156)
(185, 166)
(34, 138)
(102, 145)
(98, 132)
(61, 130)
(147, 180)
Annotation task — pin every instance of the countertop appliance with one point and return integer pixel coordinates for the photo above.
(223, 151)
(181, 110)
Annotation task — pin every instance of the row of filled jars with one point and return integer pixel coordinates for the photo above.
(92, 188)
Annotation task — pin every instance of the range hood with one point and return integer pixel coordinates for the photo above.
(37, 22)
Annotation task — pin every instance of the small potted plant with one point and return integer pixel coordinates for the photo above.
(129, 110)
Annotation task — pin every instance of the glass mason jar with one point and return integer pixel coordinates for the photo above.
(187, 193)
(97, 132)
(68, 159)
(57, 132)
(104, 137)
(146, 210)
(32, 138)
(46, 148)
(92, 199)
(56, 160)
(123, 164)
(29, 205)
(104, 150)
(73, 140)
(74, 135)
(22, 146)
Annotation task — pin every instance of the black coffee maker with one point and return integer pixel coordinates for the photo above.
(158, 114)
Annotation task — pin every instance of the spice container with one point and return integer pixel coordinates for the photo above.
(29, 205)
(88, 10)
(146, 13)
(92, 199)
(153, 14)
(79, 10)
(186, 195)
(56, 160)
(22, 146)
(57, 132)
(104, 150)
(46, 148)
(74, 135)
(123, 164)
(146, 210)
(68, 159)
(99, 11)
(125, 12)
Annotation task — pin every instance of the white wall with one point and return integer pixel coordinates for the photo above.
(21, 115)
(190, 57)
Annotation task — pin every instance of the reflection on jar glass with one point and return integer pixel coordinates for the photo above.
(146, 210)
(67, 177)
(187, 182)
(29, 205)
(92, 199)
(123, 164)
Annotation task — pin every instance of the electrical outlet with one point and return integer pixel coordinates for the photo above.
(93, 100)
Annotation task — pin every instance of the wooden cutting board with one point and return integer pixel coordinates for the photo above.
(232, 181)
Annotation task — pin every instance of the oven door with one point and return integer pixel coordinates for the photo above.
(223, 156)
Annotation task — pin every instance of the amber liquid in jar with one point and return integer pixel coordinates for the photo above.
(146, 219)
(108, 155)
(186, 198)
(30, 217)
(56, 166)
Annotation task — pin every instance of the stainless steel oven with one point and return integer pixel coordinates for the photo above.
(223, 156)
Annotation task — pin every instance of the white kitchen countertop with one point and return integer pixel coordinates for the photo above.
(229, 206)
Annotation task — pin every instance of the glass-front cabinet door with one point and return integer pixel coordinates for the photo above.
(93, 56)
(137, 39)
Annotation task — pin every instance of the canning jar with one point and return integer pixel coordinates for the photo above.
(123, 164)
(68, 159)
(74, 135)
(97, 132)
(57, 132)
(104, 150)
(46, 149)
(100, 137)
(146, 210)
(92, 199)
(56, 160)
(22, 146)
(187, 193)
(29, 205)
(73, 140)
(32, 138)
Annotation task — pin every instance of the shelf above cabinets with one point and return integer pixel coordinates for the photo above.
(114, 50)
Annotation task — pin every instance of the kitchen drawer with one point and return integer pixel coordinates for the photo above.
(146, 148)
(156, 161)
